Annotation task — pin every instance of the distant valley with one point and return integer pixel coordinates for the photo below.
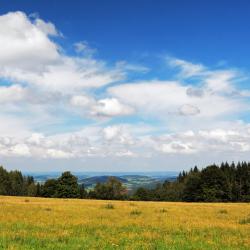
(131, 180)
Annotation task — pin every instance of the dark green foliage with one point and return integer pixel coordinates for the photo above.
(49, 189)
(245, 221)
(110, 190)
(142, 194)
(223, 211)
(192, 187)
(67, 186)
(214, 183)
(135, 212)
(14, 183)
(211, 184)
(83, 192)
(4, 182)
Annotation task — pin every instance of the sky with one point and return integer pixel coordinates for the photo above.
(123, 85)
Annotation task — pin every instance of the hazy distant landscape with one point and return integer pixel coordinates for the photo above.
(131, 180)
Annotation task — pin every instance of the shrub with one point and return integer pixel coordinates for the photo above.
(132, 204)
(109, 206)
(245, 221)
(163, 210)
(223, 211)
(135, 212)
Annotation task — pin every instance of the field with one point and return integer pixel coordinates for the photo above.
(37, 223)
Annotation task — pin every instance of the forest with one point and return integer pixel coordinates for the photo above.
(214, 183)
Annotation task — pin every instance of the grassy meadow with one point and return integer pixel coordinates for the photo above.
(39, 223)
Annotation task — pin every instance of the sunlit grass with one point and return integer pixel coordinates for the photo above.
(38, 223)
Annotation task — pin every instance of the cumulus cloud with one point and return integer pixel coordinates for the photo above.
(195, 92)
(117, 134)
(214, 80)
(18, 150)
(82, 101)
(12, 93)
(108, 107)
(188, 109)
(211, 141)
(111, 107)
(25, 45)
(46, 27)
(176, 147)
(163, 98)
(47, 97)
(120, 141)
(98, 142)
(29, 55)
(58, 154)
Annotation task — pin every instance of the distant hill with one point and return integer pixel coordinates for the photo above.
(131, 180)
(90, 181)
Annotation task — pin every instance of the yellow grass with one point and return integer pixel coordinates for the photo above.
(38, 223)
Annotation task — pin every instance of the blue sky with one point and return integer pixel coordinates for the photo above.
(205, 31)
(123, 85)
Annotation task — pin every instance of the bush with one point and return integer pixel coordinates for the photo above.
(135, 212)
(223, 211)
(245, 221)
(163, 210)
(109, 206)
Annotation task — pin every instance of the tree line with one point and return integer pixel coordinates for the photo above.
(14, 183)
(214, 183)
(224, 183)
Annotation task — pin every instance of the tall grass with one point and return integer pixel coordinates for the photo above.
(83, 224)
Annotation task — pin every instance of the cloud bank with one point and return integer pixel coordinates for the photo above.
(59, 105)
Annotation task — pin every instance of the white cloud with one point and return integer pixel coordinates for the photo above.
(81, 101)
(215, 80)
(36, 139)
(111, 107)
(47, 97)
(58, 154)
(29, 55)
(176, 147)
(221, 81)
(12, 93)
(126, 154)
(187, 69)
(24, 45)
(111, 132)
(120, 141)
(118, 134)
(151, 95)
(84, 48)
(108, 107)
(46, 27)
(162, 99)
(125, 66)
(195, 92)
(19, 150)
(188, 109)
